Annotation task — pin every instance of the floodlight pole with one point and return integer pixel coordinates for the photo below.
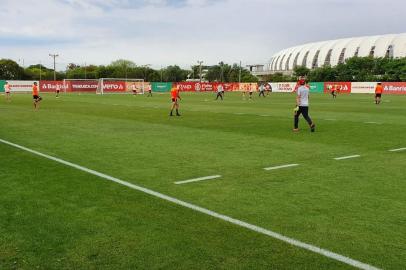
(54, 56)
(40, 70)
(239, 74)
(85, 71)
(200, 69)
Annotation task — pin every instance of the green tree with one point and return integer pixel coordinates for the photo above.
(10, 70)
(174, 74)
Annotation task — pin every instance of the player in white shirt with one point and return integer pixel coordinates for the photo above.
(261, 90)
(134, 88)
(7, 90)
(251, 87)
(302, 106)
(220, 92)
(57, 90)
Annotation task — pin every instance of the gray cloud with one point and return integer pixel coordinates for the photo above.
(162, 32)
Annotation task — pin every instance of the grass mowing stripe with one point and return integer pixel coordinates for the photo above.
(346, 157)
(397, 150)
(198, 179)
(280, 167)
(240, 223)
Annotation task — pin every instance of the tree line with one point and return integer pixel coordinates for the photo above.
(11, 70)
(356, 69)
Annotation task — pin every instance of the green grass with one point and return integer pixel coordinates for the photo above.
(56, 217)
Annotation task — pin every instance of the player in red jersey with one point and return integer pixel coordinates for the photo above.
(175, 104)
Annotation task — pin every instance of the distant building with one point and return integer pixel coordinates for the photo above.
(333, 52)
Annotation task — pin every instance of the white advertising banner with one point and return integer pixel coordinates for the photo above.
(363, 87)
(285, 87)
(22, 86)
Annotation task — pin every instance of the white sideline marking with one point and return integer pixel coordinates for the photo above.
(371, 123)
(397, 150)
(198, 179)
(234, 221)
(239, 113)
(347, 157)
(280, 167)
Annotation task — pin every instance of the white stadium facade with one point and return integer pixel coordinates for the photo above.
(333, 52)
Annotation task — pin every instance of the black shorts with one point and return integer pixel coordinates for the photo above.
(378, 95)
(174, 99)
(57, 91)
(36, 97)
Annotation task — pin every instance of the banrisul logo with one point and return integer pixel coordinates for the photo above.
(198, 86)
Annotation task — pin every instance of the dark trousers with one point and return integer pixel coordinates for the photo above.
(219, 94)
(262, 93)
(305, 112)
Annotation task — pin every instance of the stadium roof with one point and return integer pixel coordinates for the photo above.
(333, 52)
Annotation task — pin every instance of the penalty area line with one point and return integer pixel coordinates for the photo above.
(346, 157)
(280, 167)
(291, 241)
(397, 150)
(197, 179)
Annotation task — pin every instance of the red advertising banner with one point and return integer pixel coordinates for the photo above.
(81, 86)
(394, 88)
(341, 87)
(51, 86)
(114, 86)
(205, 86)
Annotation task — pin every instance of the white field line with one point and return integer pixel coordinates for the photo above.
(264, 115)
(234, 221)
(346, 157)
(397, 150)
(281, 167)
(372, 123)
(237, 113)
(198, 179)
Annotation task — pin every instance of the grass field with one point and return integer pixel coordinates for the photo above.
(53, 216)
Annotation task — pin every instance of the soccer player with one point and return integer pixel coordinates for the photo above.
(220, 92)
(251, 90)
(302, 106)
(175, 104)
(261, 90)
(7, 90)
(268, 89)
(149, 87)
(244, 91)
(58, 89)
(134, 88)
(334, 91)
(35, 96)
(378, 93)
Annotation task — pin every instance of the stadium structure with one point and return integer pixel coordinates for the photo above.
(333, 52)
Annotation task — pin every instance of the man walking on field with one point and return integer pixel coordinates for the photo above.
(261, 90)
(220, 92)
(7, 90)
(378, 93)
(302, 106)
(175, 105)
(58, 89)
(35, 96)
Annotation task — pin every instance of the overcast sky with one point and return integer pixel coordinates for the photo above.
(164, 32)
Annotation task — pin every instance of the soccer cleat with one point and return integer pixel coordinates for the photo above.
(313, 128)
(295, 130)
